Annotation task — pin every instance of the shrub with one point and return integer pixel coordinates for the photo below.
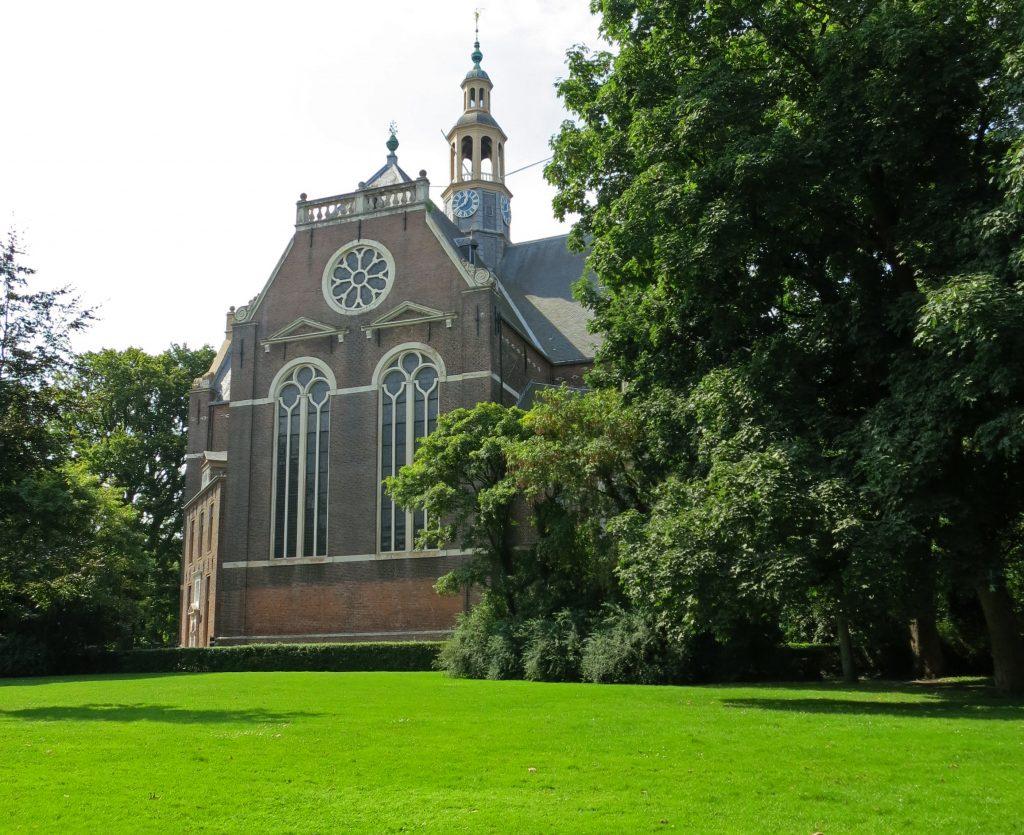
(627, 648)
(553, 648)
(364, 657)
(483, 645)
(23, 656)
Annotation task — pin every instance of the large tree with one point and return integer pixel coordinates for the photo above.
(812, 196)
(126, 412)
(71, 561)
(35, 330)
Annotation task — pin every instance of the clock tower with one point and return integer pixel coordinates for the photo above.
(476, 198)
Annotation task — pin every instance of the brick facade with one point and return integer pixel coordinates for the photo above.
(462, 318)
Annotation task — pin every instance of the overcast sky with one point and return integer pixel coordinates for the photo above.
(152, 154)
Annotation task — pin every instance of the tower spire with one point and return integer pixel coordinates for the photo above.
(477, 55)
(477, 199)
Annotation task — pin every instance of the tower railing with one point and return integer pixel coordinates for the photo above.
(467, 176)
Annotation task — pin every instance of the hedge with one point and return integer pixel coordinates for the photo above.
(365, 657)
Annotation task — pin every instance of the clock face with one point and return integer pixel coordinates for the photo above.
(465, 203)
(506, 210)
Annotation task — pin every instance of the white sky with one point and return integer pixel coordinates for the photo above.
(152, 154)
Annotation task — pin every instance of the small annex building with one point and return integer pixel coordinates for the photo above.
(383, 311)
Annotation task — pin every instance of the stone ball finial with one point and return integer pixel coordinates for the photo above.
(302, 196)
(423, 173)
(231, 309)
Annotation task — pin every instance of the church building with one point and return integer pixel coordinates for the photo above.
(383, 311)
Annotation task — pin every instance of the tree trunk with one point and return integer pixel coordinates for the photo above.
(1004, 636)
(845, 648)
(929, 661)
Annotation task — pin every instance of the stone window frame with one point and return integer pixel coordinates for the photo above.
(384, 366)
(334, 261)
(281, 379)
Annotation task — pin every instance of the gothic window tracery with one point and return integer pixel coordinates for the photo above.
(301, 464)
(409, 401)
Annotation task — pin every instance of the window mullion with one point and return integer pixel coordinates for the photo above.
(287, 479)
(300, 499)
(394, 469)
(410, 443)
(316, 477)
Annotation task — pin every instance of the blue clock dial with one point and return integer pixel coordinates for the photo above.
(465, 203)
(506, 210)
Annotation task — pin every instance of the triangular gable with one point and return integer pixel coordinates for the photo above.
(409, 313)
(391, 174)
(303, 328)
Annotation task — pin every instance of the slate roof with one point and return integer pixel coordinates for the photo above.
(537, 277)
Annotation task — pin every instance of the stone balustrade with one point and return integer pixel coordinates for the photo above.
(365, 201)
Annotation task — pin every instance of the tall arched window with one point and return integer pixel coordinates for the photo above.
(408, 412)
(300, 469)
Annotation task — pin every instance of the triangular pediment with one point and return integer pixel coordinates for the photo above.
(391, 174)
(409, 313)
(409, 310)
(303, 328)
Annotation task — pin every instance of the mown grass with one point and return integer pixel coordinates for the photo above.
(418, 751)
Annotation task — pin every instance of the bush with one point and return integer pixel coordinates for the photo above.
(363, 657)
(553, 648)
(25, 655)
(483, 645)
(21, 656)
(627, 648)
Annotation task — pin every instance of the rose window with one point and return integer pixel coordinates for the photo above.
(358, 277)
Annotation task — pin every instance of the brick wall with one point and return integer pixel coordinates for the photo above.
(202, 541)
(374, 596)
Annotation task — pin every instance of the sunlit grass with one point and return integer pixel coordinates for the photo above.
(418, 751)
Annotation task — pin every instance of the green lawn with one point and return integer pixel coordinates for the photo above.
(417, 751)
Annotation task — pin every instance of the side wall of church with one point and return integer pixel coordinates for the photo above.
(520, 364)
(204, 526)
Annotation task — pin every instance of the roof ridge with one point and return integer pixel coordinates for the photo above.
(536, 240)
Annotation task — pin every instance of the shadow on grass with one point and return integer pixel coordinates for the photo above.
(936, 701)
(149, 713)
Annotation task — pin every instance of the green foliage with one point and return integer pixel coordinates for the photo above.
(553, 648)
(805, 221)
(459, 476)
(483, 645)
(125, 413)
(627, 648)
(91, 481)
(370, 656)
(71, 569)
(71, 560)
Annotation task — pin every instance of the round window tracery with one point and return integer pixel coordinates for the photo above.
(358, 277)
